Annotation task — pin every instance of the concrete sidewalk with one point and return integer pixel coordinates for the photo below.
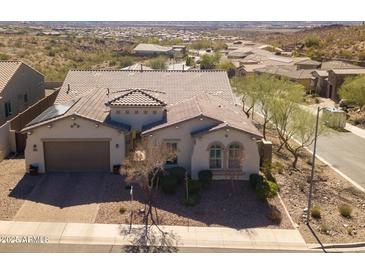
(186, 237)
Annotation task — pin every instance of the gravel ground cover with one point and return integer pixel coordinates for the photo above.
(228, 204)
(11, 173)
(331, 191)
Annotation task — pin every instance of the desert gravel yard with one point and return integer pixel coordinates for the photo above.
(11, 172)
(223, 204)
(98, 197)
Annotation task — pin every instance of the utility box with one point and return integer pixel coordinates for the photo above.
(334, 118)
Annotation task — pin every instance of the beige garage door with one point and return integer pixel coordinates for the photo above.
(77, 156)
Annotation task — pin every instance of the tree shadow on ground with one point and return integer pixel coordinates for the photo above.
(150, 240)
(234, 205)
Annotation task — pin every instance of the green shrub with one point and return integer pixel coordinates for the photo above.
(345, 210)
(194, 186)
(316, 212)
(4, 57)
(194, 198)
(266, 189)
(178, 172)
(122, 210)
(168, 184)
(255, 179)
(206, 177)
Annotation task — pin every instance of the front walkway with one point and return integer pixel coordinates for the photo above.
(112, 235)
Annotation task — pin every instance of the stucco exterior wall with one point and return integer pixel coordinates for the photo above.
(61, 129)
(4, 140)
(25, 81)
(200, 155)
(181, 133)
(136, 116)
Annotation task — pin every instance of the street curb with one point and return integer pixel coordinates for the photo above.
(339, 245)
(355, 184)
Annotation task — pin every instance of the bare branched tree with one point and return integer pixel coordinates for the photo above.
(143, 166)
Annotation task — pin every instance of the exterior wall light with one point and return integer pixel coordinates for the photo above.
(117, 145)
(49, 126)
(73, 118)
(29, 133)
(96, 125)
(35, 148)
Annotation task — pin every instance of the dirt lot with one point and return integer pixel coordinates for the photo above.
(330, 192)
(223, 204)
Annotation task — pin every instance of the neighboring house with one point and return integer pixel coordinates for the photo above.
(152, 50)
(98, 114)
(320, 80)
(335, 79)
(20, 87)
(301, 76)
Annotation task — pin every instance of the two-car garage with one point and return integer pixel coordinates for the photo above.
(77, 155)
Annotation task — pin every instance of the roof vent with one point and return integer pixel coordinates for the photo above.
(68, 88)
(107, 92)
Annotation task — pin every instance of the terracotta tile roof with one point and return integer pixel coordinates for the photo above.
(7, 70)
(173, 86)
(327, 65)
(91, 90)
(287, 71)
(205, 105)
(136, 97)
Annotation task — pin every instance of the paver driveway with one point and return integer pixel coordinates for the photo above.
(65, 198)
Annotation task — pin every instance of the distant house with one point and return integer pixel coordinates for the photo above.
(20, 87)
(301, 76)
(98, 114)
(320, 81)
(335, 79)
(152, 50)
(179, 49)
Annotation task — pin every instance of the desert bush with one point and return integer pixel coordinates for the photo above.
(122, 210)
(350, 230)
(178, 172)
(277, 167)
(168, 184)
(345, 210)
(206, 177)
(312, 41)
(194, 186)
(4, 57)
(266, 189)
(255, 179)
(316, 212)
(158, 63)
(324, 228)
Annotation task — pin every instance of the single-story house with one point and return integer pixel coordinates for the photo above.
(20, 87)
(98, 114)
(152, 50)
(301, 76)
